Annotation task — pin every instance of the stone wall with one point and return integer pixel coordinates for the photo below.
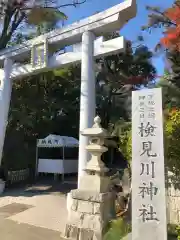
(173, 201)
(173, 205)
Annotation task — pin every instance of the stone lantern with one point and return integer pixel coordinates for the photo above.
(95, 170)
(90, 206)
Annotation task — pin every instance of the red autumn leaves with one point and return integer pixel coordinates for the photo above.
(172, 35)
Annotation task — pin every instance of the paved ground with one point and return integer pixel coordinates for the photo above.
(36, 213)
(11, 230)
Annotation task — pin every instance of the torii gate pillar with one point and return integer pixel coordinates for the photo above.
(87, 97)
(5, 89)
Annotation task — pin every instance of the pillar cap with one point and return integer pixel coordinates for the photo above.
(96, 130)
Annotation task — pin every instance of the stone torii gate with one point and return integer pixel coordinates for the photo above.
(37, 52)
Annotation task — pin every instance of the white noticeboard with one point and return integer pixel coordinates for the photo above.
(50, 166)
(57, 166)
(148, 179)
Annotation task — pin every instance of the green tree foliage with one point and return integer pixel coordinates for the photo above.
(174, 59)
(118, 230)
(40, 105)
(171, 93)
(122, 129)
(172, 139)
(117, 76)
(178, 232)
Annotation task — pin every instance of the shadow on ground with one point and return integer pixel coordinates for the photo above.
(44, 186)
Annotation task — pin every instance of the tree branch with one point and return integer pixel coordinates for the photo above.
(7, 19)
(16, 23)
(15, 19)
(163, 14)
(163, 19)
(60, 6)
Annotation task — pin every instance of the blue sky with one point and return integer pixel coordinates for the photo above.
(132, 29)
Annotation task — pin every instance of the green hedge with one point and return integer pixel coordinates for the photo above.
(118, 229)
